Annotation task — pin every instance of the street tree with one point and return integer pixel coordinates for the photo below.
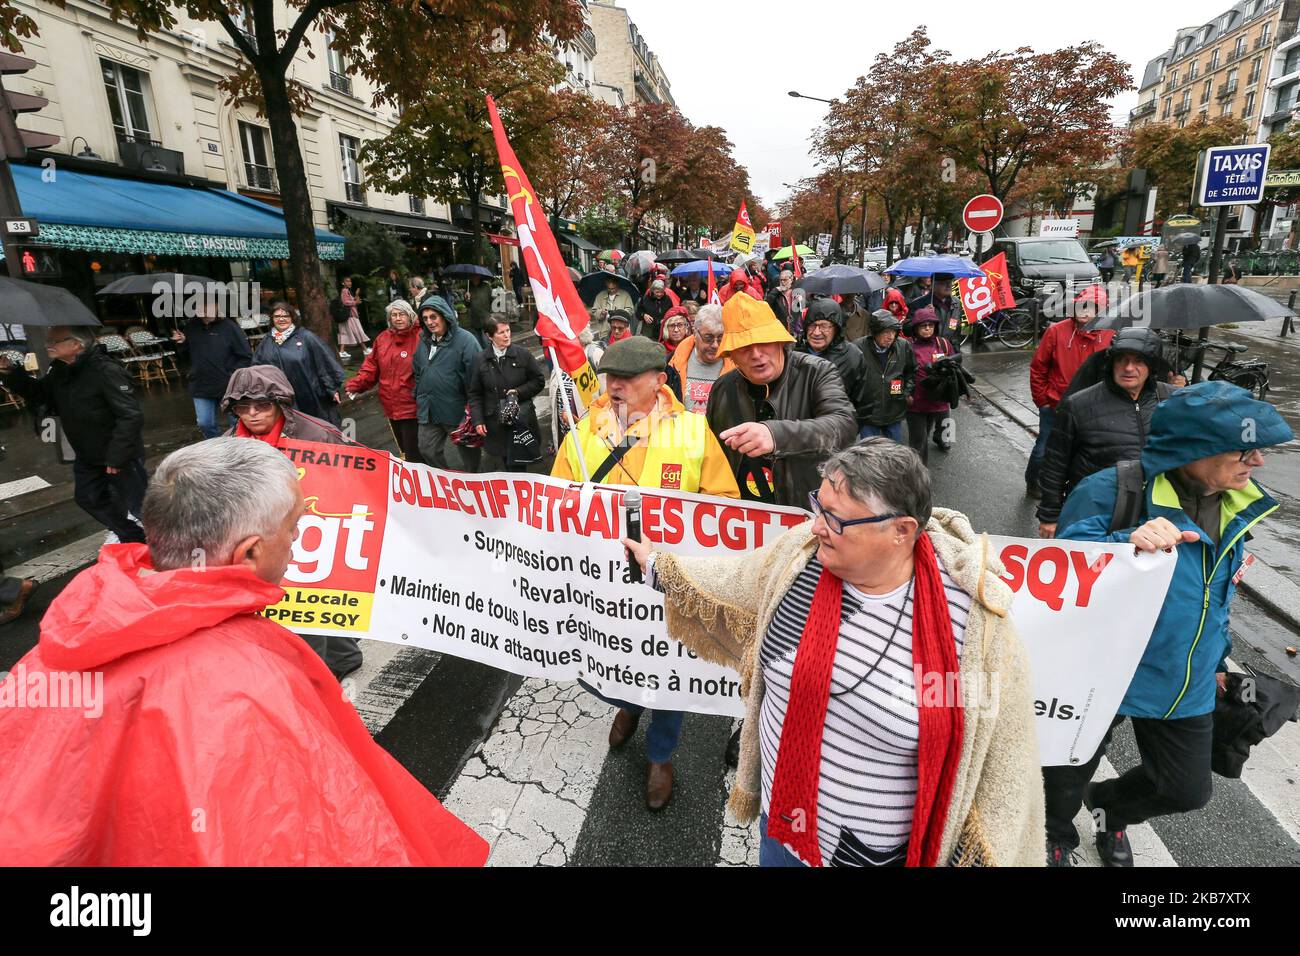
(1169, 155)
(389, 42)
(568, 171)
(645, 146)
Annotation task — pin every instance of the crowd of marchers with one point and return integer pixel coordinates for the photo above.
(830, 405)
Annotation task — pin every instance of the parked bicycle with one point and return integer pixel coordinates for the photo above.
(1014, 328)
(1250, 374)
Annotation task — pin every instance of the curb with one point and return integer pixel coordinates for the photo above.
(1270, 589)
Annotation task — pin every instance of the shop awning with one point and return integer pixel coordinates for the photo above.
(413, 225)
(578, 241)
(106, 214)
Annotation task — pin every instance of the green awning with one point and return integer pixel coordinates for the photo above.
(150, 242)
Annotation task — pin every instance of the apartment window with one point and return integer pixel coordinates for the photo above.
(1263, 34)
(417, 205)
(1169, 105)
(258, 171)
(1187, 100)
(1173, 78)
(1192, 71)
(244, 21)
(1232, 78)
(1252, 8)
(1254, 70)
(1240, 48)
(126, 102)
(1214, 60)
(1292, 62)
(1249, 109)
(1227, 110)
(349, 149)
(1206, 91)
(338, 65)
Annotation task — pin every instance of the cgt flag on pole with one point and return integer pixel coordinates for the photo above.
(560, 312)
(794, 257)
(714, 298)
(742, 236)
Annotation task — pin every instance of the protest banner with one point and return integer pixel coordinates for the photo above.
(526, 573)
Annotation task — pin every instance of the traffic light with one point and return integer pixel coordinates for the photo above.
(15, 142)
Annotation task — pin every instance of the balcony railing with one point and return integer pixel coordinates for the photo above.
(1261, 42)
(1142, 109)
(1226, 92)
(341, 82)
(260, 177)
(140, 138)
(1182, 108)
(355, 193)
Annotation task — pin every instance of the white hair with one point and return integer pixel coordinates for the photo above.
(206, 498)
(709, 315)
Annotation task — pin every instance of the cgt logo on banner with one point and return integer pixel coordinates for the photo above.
(526, 574)
(1084, 611)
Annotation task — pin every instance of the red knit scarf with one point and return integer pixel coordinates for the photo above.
(792, 812)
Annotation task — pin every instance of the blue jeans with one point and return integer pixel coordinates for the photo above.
(893, 432)
(773, 852)
(665, 726)
(205, 413)
(1046, 419)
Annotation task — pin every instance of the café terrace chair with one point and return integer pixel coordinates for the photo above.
(145, 342)
(146, 368)
(8, 399)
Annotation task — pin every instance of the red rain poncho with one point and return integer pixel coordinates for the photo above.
(223, 739)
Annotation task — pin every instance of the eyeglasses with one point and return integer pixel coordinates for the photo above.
(711, 339)
(281, 315)
(1246, 455)
(66, 338)
(838, 524)
(243, 408)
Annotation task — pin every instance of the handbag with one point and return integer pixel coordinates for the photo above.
(525, 447)
(465, 435)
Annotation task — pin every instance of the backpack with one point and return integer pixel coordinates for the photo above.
(1130, 486)
(339, 312)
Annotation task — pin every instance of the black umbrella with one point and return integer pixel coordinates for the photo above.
(703, 253)
(31, 303)
(143, 284)
(1185, 305)
(593, 284)
(464, 269)
(676, 256)
(841, 280)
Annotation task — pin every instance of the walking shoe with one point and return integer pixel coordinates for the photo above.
(659, 785)
(368, 351)
(1060, 854)
(1113, 848)
(624, 727)
(344, 355)
(14, 609)
(732, 754)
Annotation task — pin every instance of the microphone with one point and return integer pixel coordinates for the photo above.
(632, 502)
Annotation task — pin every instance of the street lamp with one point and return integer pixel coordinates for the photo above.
(801, 96)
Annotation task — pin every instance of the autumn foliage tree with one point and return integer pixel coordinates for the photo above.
(390, 44)
(1169, 155)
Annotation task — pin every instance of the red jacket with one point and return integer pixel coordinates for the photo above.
(390, 363)
(1062, 350)
(738, 281)
(221, 738)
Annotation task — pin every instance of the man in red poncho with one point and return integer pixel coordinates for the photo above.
(203, 733)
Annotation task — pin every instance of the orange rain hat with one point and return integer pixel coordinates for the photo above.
(749, 321)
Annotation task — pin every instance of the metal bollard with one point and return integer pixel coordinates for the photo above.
(1288, 323)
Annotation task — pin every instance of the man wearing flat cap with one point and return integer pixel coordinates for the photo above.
(638, 433)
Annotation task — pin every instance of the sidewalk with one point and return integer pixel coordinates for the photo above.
(1002, 379)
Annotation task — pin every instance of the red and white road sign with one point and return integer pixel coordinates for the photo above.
(983, 213)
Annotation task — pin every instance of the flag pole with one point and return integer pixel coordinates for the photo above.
(568, 415)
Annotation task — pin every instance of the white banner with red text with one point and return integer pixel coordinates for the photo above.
(526, 574)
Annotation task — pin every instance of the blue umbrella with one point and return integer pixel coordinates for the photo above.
(700, 267)
(464, 269)
(957, 266)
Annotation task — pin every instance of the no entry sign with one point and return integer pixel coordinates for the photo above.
(983, 213)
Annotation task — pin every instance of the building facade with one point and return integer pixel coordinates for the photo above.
(625, 61)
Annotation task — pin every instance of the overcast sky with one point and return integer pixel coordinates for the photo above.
(731, 65)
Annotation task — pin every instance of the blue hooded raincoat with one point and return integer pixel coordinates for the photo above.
(1190, 641)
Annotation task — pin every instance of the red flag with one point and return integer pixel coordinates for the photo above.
(794, 255)
(988, 293)
(714, 298)
(560, 312)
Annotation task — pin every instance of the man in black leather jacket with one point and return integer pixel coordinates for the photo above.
(1104, 423)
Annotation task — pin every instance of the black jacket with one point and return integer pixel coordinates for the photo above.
(886, 386)
(812, 419)
(776, 299)
(656, 309)
(488, 384)
(849, 362)
(215, 352)
(1094, 429)
(95, 400)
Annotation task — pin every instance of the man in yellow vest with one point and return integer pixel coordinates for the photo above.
(638, 433)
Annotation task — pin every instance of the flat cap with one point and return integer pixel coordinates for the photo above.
(632, 356)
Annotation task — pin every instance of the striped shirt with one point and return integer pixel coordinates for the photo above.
(868, 759)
